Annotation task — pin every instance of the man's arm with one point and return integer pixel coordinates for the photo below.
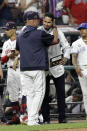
(6, 56)
(46, 38)
(1, 72)
(7, 53)
(65, 47)
(74, 62)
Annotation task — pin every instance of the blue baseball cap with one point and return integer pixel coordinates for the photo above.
(82, 26)
(10, 25)
(31, 15)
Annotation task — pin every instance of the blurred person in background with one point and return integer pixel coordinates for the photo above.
(76, 97)
(56, 10)
(16, 7)
(12, 11)
(33, 5)
(76, 10)
(5, 12)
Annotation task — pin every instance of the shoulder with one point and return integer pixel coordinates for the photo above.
(60, 33)
(6, 43)
(40, 28)
(77, 42)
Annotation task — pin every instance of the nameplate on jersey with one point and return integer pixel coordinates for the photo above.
(55, 60)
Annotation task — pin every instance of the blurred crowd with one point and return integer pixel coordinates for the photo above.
(72, 12)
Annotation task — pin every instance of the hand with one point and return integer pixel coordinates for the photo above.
(55, 34)
(63, 61)
(15, 64)
(55, 30)
(1, 74)
(78, 70)
(11, 55)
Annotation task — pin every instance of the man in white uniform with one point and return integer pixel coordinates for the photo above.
(56, 68)
(79, 60)
(13, 76)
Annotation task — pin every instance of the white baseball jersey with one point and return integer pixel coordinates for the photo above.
(13, 77)
(55, 51)
(79, 47)
(8, 46)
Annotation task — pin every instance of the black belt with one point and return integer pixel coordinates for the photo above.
(10, 67)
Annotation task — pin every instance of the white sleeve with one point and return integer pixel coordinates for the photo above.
(74, 48)
(68, 99)
(5, 49)
(64, 43)
(40, 28)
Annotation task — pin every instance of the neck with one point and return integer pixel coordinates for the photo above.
(84, 37)
(31, 23)
(13, 38)
(85, 40)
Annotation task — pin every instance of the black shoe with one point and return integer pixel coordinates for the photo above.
(63, 121)
(4, 120)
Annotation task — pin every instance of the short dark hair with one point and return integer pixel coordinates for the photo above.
(48, 14)
(77, 92)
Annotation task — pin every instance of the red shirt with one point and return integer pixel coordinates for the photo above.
(78, 9)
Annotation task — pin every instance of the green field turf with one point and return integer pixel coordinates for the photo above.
(44, 127)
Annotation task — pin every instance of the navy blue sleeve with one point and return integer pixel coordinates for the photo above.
(47, 38)
(17, 45)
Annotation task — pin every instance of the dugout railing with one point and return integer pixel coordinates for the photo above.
(53, 110)
(69, 116)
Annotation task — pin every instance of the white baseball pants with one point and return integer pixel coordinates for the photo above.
(34, 82)
(83, 83)
(13, 84)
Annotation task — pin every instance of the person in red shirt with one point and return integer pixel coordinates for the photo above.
(77, 11)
